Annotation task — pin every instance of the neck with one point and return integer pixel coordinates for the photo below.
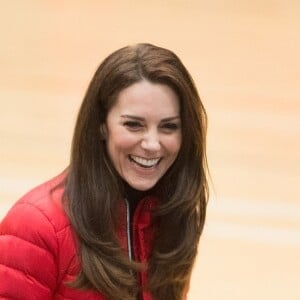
(133, 195)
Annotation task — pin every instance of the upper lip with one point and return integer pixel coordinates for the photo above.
(142, 157)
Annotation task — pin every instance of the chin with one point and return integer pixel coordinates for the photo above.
(142, 187)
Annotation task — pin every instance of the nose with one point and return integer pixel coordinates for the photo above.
(151, 141)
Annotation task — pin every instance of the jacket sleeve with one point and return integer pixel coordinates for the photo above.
(28, 247)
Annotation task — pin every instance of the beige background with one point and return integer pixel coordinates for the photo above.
(244, 57)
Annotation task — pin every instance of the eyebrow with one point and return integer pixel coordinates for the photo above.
(143, 119)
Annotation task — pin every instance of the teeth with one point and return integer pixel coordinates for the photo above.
(145, 162)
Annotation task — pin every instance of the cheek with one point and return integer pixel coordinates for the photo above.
(120, 140)
(173, 144)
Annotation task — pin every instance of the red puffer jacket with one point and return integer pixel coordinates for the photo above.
(38, 252)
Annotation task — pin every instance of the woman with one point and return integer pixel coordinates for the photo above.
(124, 220)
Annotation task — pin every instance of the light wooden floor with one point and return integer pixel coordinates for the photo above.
(244, 57)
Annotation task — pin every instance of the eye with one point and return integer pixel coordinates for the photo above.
(170, 126)
(133, 125)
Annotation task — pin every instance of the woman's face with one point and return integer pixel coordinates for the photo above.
(143, 133)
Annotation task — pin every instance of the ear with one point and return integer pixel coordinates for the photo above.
(103, 131)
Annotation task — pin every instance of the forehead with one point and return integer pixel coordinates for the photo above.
(147, 98)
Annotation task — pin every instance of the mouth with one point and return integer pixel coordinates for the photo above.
(144, 162)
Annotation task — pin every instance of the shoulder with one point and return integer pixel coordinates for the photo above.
(38, 213)
(32, 234)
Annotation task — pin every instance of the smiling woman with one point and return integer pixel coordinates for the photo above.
(124, 219)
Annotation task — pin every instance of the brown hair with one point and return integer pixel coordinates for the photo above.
(93, 186)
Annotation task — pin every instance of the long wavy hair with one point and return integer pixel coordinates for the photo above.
(93, 189)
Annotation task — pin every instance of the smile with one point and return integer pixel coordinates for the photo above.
(144, 162)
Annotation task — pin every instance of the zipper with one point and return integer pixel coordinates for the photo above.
(129, 244)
